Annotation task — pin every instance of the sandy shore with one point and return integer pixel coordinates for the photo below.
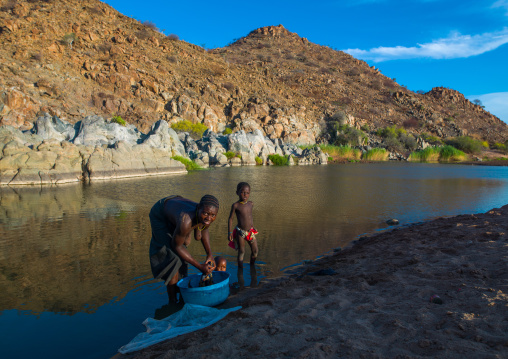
(372, 300)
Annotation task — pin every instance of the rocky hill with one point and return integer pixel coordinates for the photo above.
(75, 58)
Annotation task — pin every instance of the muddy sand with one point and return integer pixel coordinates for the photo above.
(372, 300)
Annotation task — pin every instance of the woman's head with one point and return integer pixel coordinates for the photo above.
(208, 208)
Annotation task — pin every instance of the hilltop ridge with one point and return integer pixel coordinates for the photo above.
(75, 58)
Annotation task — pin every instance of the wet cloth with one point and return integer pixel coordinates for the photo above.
(190, 318)
(164, 261)
(247, 235)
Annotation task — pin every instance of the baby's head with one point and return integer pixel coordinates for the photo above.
(220, 264)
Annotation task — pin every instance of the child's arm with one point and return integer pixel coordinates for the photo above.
(230, 222)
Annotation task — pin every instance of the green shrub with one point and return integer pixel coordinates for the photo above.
(194, 129)
(376, 154)
(390, 131)
(119, 120)
(408, 141)
(230, 154)
(227, 131)
(393, 144)
(350, 136)
(340, 117)
(430, 154)
(450, 153)
(69, 39)
(259, 161)
(189, 164)
(465, 144)
(365, 128)
(279, 160)
(433, 140)
(503, 147)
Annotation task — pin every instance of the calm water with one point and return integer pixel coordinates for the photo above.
(74, 274)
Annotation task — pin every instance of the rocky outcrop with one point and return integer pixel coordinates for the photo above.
(55, 151)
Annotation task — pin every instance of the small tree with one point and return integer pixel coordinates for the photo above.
(69, 39)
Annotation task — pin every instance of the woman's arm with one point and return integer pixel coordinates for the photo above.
(205, 240)
(183, 231)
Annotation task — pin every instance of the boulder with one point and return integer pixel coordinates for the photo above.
(95, 131)
(48, 127)
(163, 137)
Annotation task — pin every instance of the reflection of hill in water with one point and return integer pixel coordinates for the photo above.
(61, 251)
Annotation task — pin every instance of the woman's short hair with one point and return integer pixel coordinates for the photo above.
(209, 200)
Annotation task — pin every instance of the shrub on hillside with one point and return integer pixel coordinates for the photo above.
(150, 25)
(390, 131)
(173, 37)
(465, 144)
(196, 130)
(119, 120)
(503, 147)
(393, 144)
(340, 117)
(433, 140)
(350, 136)
(408, 141)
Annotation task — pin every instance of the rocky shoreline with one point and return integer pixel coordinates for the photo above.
(55, 151)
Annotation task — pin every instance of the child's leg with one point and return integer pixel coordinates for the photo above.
(241, 250)
(253, 251)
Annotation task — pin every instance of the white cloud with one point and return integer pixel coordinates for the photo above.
(501, 3)
(496, 103)
(452, 47)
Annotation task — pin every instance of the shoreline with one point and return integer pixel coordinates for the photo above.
(372, 299)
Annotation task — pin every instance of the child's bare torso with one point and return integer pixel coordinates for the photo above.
(244, 215)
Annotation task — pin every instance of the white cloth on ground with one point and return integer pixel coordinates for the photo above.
(190, 318)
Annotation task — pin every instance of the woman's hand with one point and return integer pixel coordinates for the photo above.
(208, 266)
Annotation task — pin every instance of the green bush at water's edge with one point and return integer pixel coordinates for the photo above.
(279, 160)
(430, 154)
(450, 153)
(259, 160)
(376, 154)
(189, 165)
(434, 154)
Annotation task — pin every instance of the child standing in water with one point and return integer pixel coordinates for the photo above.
(244, 230)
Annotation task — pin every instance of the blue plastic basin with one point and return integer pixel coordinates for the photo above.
(210, 296)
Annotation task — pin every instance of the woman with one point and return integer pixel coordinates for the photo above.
(173, 219)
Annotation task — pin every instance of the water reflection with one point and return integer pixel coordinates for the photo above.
(75, 248)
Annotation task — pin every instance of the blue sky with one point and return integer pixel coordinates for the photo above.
(459, 44)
